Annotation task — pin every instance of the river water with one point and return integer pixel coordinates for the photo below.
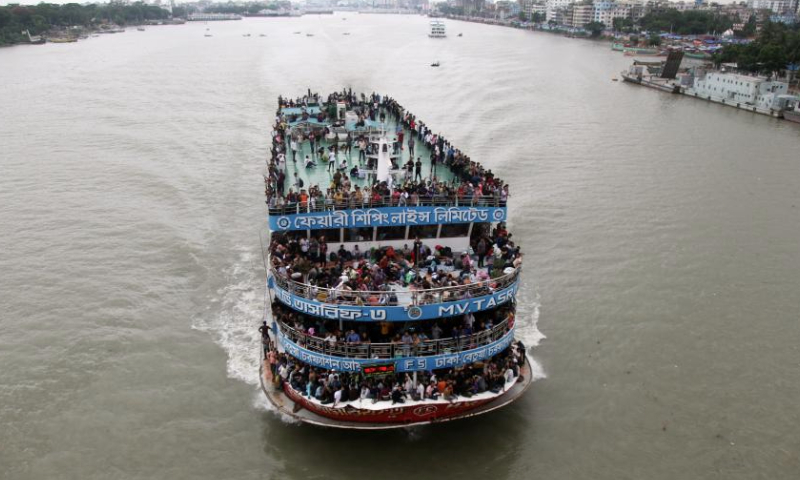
(662, 241)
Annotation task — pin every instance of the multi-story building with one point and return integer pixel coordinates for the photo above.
(781, 7)
(605, 11)
(579, 14)
(553, 6)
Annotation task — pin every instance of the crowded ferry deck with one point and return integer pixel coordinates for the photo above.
(391, 273)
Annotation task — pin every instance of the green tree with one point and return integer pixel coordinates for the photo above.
(654, 40)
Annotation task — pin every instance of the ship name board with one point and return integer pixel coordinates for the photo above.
(396, 313)
(410, 364)
(386, 216)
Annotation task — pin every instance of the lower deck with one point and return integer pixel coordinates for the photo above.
(461, 408)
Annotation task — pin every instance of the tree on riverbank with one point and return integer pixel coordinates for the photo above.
(777, 46)
(39, 19)
(691, 22)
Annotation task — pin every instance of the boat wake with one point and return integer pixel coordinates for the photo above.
(234, 314)
(528, 328)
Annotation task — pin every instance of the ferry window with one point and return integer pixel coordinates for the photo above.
(454, 230)
(392, 233)
(331, 235)
(363, 234)
(422, 231)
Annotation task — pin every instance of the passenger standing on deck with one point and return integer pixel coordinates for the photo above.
(331, 161)
(418, 169)
(417, 248)
(411, 146)
(348, 145)
(312, 140)
(294, 150)
(362, 150)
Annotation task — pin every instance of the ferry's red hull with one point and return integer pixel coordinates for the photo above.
(398, 414)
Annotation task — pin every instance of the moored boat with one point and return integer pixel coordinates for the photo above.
(411, 320)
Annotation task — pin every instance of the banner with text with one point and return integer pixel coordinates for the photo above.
(410, 364)
(385, 217)
(398, 313)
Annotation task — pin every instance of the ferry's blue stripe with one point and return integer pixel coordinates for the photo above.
(385, 217)
(395, 313)
(405, 364)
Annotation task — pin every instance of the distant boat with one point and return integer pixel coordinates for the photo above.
(309, 34)
(141, 29)
(245, 34)
(435, 64)
(297, 33)
(614, 79)
(460, 34)
(346, 33)
(262, 35)
(208, 35)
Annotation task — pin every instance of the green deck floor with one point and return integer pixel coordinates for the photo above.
(321, 177)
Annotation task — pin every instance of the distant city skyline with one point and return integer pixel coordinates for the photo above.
(61, 2)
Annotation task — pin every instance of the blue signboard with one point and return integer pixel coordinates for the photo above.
(356, 313)
(386, 216)
(406, 364)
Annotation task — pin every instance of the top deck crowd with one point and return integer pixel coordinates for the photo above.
(472, 183)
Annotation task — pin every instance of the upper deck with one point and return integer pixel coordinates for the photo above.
(325, 173)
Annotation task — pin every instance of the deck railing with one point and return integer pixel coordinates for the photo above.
(388, 201)
(395, 350)
(390, 298)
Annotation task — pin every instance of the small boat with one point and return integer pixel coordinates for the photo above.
(615, 79)
(141, 29)
(346, 33)
(460, 34)
(208, 35)
(435, 64)
(262, 35)
(309, 34)
(245, 34)
(297, 33)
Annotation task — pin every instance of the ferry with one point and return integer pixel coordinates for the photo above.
(391, 275)
(437, 29)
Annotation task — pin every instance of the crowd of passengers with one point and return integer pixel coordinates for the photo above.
(338, 277)
(331, 387)
(471, 182)
(405, 335)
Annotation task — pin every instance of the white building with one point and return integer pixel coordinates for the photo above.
(742, 89)
(553, 5)
(605, 11)
(775, 6)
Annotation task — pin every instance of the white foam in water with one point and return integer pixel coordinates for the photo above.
(528, 331)
(240, 312)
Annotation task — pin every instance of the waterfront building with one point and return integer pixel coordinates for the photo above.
(507, 9)
(760, 92)
(553, 6)
(605, 11)
(579, 15)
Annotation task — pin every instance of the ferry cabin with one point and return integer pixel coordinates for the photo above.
(759, 92)
(437, 29)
